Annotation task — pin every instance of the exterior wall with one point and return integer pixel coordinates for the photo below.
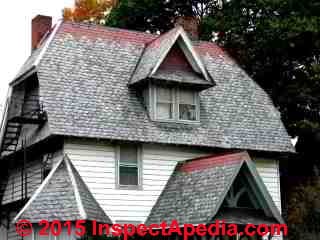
(11, 232)
(96, 165)
(62, 236)
(3, 229)
(269, 171)
(13, 186)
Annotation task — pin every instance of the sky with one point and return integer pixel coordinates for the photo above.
(15, 37)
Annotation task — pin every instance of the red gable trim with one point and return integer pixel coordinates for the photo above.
(213, 161)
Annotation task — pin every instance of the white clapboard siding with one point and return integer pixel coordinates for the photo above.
(269, 171)
(96, 165)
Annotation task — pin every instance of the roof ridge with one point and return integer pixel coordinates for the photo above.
(81, 209)
(106, 27)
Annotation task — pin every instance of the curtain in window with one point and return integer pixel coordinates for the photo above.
(187, 105)
(164, 103)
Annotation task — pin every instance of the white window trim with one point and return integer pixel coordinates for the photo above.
(175, 108)
(117, 170)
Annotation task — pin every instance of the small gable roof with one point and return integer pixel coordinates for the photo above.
(62, 196)
(156, 52)
(197, 188)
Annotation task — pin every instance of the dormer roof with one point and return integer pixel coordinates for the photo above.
(156, 53)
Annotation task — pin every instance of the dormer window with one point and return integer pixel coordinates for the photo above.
(188, 105)
(171, 74)
(176, 104)
(164, 103)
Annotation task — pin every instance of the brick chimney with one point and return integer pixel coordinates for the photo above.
(190, 24)
(40, 26)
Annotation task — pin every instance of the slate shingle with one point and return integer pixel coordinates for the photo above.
(84, 76)
(56, 199)
(197, 188)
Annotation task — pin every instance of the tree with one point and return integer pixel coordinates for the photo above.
(89, 10)
(157, 15)
(304, 208)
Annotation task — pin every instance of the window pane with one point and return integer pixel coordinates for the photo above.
(128, 154)
(128, 175)
(164, 94)
(187, 97)
(164, 111)
(187, 112)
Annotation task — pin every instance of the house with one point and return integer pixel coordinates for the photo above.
(130, 127)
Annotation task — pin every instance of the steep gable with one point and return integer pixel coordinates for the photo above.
(197, 189)
(172, 48)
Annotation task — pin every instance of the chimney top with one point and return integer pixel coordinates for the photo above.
(190, 24)
(40, 25)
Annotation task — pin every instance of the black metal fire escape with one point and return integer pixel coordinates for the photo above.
(32, 113)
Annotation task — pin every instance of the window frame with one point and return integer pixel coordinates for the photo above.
(139, 167)
(175, 108)
(173, 102)
(196, 104)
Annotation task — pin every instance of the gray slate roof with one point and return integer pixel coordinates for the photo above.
(58, 198)
(84, 76)
(197, 188)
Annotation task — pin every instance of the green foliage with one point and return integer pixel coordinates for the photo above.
(304, 211)
(142, 15)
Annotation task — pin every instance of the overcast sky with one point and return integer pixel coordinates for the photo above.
(15, 38)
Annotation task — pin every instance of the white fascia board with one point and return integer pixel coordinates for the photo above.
(47, 43)
(192, 56)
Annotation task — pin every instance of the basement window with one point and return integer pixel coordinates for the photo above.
(128, 167)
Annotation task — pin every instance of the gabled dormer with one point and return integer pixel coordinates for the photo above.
(171, 75)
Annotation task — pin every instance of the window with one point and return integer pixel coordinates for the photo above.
(46, 165)
(187, 105)
(176, 104)
(128, 167)
(165, 103)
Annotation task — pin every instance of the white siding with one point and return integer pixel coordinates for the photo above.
(96, 165)
(269, 171)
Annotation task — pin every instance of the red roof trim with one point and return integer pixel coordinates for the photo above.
(213, 161)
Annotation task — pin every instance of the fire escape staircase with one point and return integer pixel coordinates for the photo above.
(32, 113)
